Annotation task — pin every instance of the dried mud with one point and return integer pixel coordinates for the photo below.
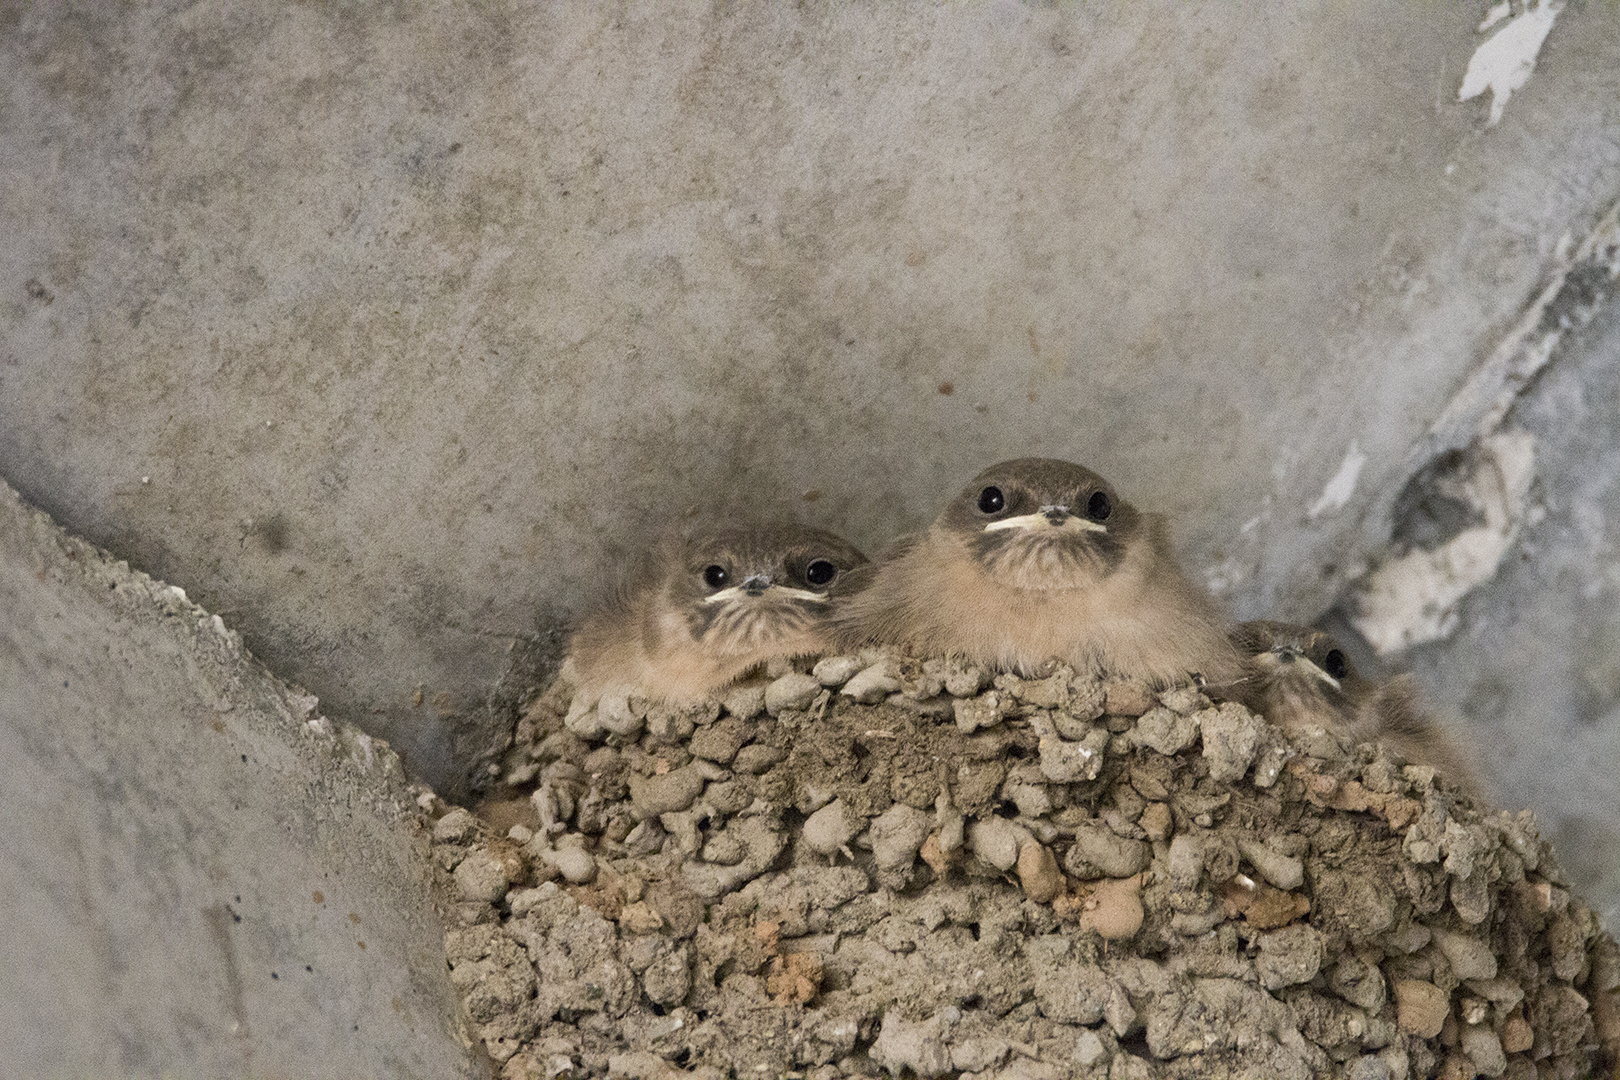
(883, 866)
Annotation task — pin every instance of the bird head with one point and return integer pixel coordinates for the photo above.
(1299, 661)
(1039, 523)
(743, 588)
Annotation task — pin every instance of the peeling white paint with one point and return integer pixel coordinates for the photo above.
(1504, 63)
(1338, 490)
(1414, 598)
(1495, 15)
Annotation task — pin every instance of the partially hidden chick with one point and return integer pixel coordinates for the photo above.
(706, 606)
(1039, 559)
(1299, 677)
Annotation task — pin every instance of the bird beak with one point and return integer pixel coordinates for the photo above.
(1287, 654)
(755, 587)
(1048, 517)
(1320, 674)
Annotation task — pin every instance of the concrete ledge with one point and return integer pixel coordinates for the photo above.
(199, 874)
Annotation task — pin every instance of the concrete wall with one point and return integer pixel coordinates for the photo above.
(385, 331)
(1532, 673)
(200, 875)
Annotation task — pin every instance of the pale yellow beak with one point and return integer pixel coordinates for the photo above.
(1288, 656)
(1040, 520)
(738, 592)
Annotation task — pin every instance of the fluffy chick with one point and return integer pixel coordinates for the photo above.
(1299, 677)
(705, 606)
(1039, 559)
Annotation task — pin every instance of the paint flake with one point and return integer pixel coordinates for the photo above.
(1414, 598)
(1338, 490)
(1505, 62)
(1497, 13)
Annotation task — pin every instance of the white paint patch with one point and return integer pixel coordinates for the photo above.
(1504, 63)
(1495, 15)
(1338, 490)
(1414, 598)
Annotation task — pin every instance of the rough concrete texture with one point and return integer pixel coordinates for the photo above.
(200, 875)
(1048, 878)
(385, 330)
(1535, 665)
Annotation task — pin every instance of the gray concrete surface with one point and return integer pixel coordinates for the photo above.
(385, 331)
(199, 874)
(1534, 668)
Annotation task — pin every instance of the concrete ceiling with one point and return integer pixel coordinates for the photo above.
(387, 331)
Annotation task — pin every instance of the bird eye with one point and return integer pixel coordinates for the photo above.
(715, 576)
(991, 500)
(1098, 507)
(1335, 664)
(820, 572)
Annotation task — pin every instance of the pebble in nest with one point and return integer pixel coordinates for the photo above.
(1039, 559)
(707, 605)
(1300, 677)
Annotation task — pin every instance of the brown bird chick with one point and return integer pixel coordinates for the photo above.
(707, 606)
(1039, 559)
(1299, 677)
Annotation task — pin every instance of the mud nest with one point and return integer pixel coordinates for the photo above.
(885, 866)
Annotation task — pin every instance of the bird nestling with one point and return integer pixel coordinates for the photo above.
(708, 605)
(1299, 677)
(1039, 559)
